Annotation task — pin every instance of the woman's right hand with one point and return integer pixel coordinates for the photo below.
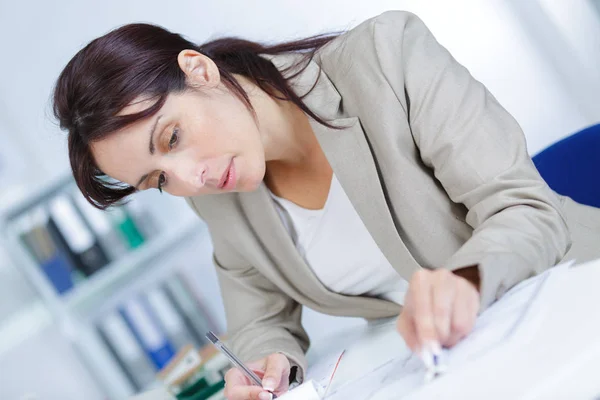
(274, 370)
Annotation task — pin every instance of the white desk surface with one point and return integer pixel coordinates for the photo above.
(554, 353)
(552, 350)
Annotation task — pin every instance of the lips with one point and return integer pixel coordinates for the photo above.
(231, 177)
(224, 177)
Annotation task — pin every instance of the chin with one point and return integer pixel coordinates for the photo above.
(249, 184)
(250, 176)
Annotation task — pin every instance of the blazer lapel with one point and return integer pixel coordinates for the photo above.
(351, 158)
(263, 217)
(292, 271)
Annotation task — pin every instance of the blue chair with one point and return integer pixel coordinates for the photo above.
(571, 166)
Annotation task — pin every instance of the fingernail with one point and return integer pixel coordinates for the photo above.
(431, 353)
(435, 348)
(265, 396)
(426, 356)
(269, 384)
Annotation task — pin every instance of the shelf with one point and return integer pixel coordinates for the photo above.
(23, 324)
(94, 291)
(24, 197)
(75, 313)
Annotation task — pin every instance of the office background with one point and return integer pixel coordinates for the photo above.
(540, 58)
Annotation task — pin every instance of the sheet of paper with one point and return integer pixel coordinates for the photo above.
(322, 371)
(552, 356)
(309, 390)
(370, 372)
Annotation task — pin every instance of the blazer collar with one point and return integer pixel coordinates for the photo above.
(351, 159)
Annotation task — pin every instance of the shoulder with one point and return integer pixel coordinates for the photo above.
(377, 50)
(384, 30)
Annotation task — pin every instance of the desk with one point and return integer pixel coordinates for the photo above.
(554, 354)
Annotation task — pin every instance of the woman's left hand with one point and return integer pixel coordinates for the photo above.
(440, 307)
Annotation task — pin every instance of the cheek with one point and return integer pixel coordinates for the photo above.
(231, 122)
(252, 171)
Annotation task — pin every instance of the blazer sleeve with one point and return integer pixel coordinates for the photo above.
(478, 153)
(261, 319)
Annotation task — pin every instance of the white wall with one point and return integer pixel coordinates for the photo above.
(494, 39)
(38, 38)
(566, 35)
(579, 25)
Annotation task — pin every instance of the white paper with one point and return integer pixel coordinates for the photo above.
(367, 371)
(553, 353)
(309, 390)
(322, 371)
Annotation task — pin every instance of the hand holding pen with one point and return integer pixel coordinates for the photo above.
(440, 308)
(263, 379)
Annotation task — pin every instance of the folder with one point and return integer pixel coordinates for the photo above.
(142, 218)
(71, 233)
(189, 308)
(169, 317)
(99, 222)
(51, 260)
(126, 227)
(148, 333)
(127, 351)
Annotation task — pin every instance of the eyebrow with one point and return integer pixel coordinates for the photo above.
(151, 141)
(150, 148)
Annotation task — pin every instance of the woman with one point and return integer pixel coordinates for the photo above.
(366, 174)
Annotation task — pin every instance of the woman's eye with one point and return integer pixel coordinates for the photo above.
(174, 138)
(162, 180)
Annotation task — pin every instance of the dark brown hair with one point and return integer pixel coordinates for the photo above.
(141, 60)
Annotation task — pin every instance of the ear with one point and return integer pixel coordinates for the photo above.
(199, 69)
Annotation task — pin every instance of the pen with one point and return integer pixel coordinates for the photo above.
(235, 360)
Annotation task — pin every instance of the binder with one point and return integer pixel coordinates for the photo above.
(28, 239)
(71, 233)
(99, 222)
(148, 333)
(32, 232)
(169, 318)
(57, 270)
(126, 350)
(187, 305)
(126, 227)
(142, 218)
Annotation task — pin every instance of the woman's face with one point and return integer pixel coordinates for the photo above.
(201, 141)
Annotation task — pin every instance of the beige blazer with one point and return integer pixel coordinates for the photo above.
(437, 170)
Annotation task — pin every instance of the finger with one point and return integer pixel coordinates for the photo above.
(406, 328)
(277, 372)
(235, 377)
(238, 386)
(464, 314)
(247, 393)
(422, 309)
(443, 293)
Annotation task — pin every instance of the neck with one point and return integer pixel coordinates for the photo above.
(291, 140)
(288, 138)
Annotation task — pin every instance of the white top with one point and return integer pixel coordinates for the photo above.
(337, 246)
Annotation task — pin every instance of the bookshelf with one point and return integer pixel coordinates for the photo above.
(76, 311)
(91, 294)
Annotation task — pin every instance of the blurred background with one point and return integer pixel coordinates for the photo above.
(91, 305)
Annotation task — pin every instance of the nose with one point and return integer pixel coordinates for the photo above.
(192, 175)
